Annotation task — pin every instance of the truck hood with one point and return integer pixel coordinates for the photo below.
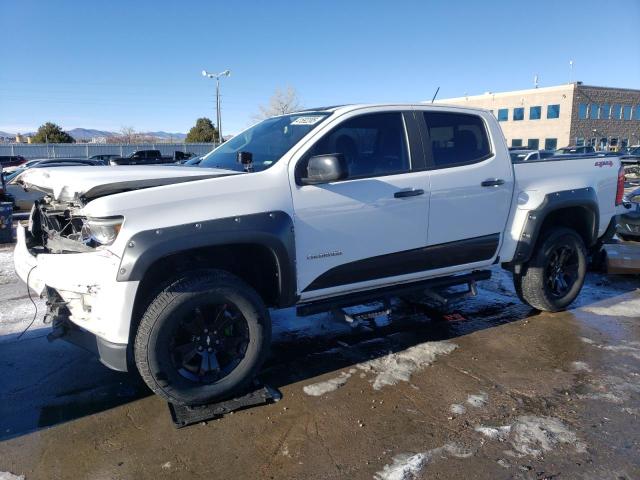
(87, 183)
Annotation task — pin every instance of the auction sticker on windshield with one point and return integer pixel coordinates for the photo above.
(308, 120)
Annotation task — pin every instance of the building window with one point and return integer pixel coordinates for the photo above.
(592, 142)
(624, 143)
(593, 111)
(582, 111)
(551, 143)
(615, 112)
(533, 143)
(535, 113)
(636, 113)
(553, 111)
(518, 113)
(580, 141)
(605, 111)
(516, 142)
(626, 112)
(503, 114)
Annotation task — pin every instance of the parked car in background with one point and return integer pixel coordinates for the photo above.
(529, 155)
(23, 199)
(49, 161)
(181, 157)
(105, 158)
(10, 162)
(633, 150)
(3, 194)
(141, 157)
(628, 224)
(576, 150)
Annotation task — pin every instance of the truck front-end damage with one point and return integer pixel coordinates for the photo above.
(62, 255)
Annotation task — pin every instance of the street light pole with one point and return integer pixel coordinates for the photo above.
(217, 76)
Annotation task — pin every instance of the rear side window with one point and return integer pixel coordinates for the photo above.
(456, 138)
(373, 144)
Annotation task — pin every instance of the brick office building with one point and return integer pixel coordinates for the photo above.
(570, 114)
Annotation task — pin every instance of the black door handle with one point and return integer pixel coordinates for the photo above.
(409, 193)
(494, 182)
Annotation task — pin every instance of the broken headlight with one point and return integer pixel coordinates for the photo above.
(103, 230)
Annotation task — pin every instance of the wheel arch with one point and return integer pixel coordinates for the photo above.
(258, 248)
(576, 209)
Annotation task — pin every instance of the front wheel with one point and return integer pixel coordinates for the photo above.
(554, 276)
(202, 338)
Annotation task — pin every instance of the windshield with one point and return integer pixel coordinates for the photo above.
(267, 141)
(10, 176)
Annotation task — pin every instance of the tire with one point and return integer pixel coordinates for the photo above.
(544, 283)
(202, 338)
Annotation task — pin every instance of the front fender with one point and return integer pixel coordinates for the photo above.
(273, 230)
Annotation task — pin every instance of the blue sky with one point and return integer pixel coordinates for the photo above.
(108, 64)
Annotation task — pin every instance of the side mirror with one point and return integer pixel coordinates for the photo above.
(246, 160)
(325, 169)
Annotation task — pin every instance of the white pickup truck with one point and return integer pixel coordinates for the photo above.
(172, 270)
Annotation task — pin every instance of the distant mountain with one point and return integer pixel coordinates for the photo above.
(166, 135)
(88, 133)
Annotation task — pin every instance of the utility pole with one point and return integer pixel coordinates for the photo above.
(217, 76)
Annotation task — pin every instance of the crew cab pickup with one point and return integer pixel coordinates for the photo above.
(139, 157)
(173, 270)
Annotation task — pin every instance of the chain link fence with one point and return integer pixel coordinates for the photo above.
(86, 150)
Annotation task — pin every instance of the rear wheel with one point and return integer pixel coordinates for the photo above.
(202, 338)
(554, 276)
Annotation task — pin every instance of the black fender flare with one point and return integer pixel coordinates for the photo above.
(273, 230)
(585, 198)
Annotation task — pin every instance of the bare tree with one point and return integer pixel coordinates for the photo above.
(281, 102)
(128, 135)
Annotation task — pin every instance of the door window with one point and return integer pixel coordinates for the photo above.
(373, 145)
(456, 138)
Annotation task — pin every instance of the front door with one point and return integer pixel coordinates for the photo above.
(357, 231)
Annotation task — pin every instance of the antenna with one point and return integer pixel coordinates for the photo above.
(435, 95)
(535, 80)
(570, 71)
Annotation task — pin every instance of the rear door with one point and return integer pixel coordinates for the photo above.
(471, 185)
(365, 230)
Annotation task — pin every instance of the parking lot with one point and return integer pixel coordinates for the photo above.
(486, 389)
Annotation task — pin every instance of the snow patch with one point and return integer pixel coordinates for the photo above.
(479, 400)
(629, 348)
(458, 409)
(580, 367)
(626, 308)
(398, 367)
(495, 433)
(611, 388)
(408, 466)
(10, 476)
(320, 388)
(530, 435)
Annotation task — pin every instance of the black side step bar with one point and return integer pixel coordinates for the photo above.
(358, 298)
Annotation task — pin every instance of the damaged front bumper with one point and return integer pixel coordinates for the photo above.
(85, 284)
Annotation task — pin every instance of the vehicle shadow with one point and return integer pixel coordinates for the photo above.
(45, 384)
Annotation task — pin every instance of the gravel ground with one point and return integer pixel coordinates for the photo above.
(485, 389)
